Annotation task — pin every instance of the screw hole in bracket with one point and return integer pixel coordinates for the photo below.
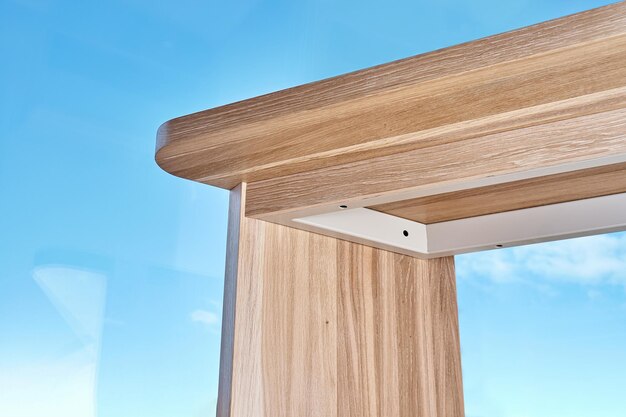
(405, 233)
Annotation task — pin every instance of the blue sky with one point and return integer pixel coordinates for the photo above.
(111, 270)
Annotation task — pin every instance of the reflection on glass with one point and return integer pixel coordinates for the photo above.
(111, 270)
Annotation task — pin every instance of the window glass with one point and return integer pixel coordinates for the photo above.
(111, 271)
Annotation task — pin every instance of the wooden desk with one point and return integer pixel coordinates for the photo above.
(350, 196)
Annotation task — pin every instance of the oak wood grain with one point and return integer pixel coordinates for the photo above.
(566, 68)
(583, 138)
(571, 186)
(398, 346)
(324, 327)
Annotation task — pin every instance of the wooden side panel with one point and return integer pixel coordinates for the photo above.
(324, 327)
(398, 351)
(299, 325)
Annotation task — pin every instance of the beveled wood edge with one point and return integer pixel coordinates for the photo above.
(227, 340)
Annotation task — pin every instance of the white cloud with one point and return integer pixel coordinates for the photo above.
(589, 261)
(204, 316)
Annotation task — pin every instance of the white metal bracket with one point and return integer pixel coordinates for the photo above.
(538, 224)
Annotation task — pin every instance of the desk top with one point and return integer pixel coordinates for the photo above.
(524, 119)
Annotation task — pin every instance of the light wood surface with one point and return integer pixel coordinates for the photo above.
(539, 98)
(547, 145)
(571, 186)
(569, 67)
(324, 327)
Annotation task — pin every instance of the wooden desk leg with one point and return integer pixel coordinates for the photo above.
(316, 326)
